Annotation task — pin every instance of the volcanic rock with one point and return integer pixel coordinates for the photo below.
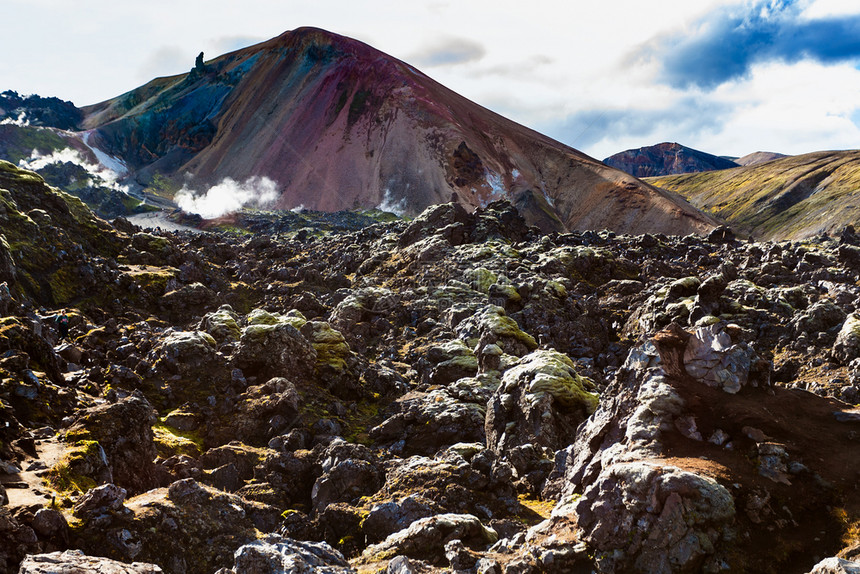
(72, 561)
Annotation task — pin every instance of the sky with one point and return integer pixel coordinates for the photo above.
(728, 77)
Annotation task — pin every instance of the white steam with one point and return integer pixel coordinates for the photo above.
(100, 174)
(21, 122)
(388, 204)
(227, 197)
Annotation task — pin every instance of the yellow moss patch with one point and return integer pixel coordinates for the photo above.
(850, 526)
(533, 510)
(170, 441)
(62, 478)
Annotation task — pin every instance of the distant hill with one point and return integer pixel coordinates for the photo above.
(336, 124)
(788, 198)
(759, 157)
(666, 159)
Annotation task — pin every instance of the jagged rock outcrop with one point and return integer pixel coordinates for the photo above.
(445, 374)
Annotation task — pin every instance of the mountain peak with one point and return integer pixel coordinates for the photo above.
(667, 158)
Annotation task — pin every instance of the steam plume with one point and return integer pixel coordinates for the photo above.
(228, 196)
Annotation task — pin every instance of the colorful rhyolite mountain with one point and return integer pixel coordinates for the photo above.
(788, 198)
(666, 159)
(337, 124)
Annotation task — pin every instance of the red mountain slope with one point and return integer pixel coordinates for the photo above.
(338, 124)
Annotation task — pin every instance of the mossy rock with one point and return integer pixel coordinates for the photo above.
(222, 324)
(548, 371)
(556, 289)
(333, 351)
(143, 241)
(261, 317)
(684, 287)
(170, 441)
(82, 467)
(481, 279)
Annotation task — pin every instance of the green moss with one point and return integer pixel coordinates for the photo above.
(262, 317)
(330, 345)
(481, 279)
(532, 511)
(170, 441)
(556, 289)
(786, 198)
(551, 372)
(63, 478)
(504, 326)
(222, 320)
(162, 186)
(508, 291)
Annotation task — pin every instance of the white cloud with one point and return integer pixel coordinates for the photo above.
(830, 8)
(542, 63)
(228, 196)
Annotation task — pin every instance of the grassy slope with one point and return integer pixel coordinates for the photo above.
(793, 197)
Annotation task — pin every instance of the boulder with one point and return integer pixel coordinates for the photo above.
(451, 361)
(222, 324)
(421, 423)
(490, 324)
(649, 518)
(189, 301)
(75, 562)
(426, 538)
(287, 556)
(99, 500)
(346, 482)
(275, 350)
(386, 518)
(819, 317)
(189, 354)
(124, 431)
(834, 565)
(847, 346)
(187, 527)
(541, 400)
(711, 357)
(261, 413)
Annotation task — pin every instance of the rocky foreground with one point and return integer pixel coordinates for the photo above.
(456, 392)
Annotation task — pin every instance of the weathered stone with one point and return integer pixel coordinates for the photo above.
(75, 561)
(540, 400)
(836, 565)
(426, 538)
(654, 519)
(124, 431)
(99, 500)
(287, 556)
(847, 346)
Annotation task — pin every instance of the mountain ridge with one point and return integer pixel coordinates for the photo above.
(787, 198)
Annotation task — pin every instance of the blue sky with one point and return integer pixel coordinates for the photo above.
(725, 76)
